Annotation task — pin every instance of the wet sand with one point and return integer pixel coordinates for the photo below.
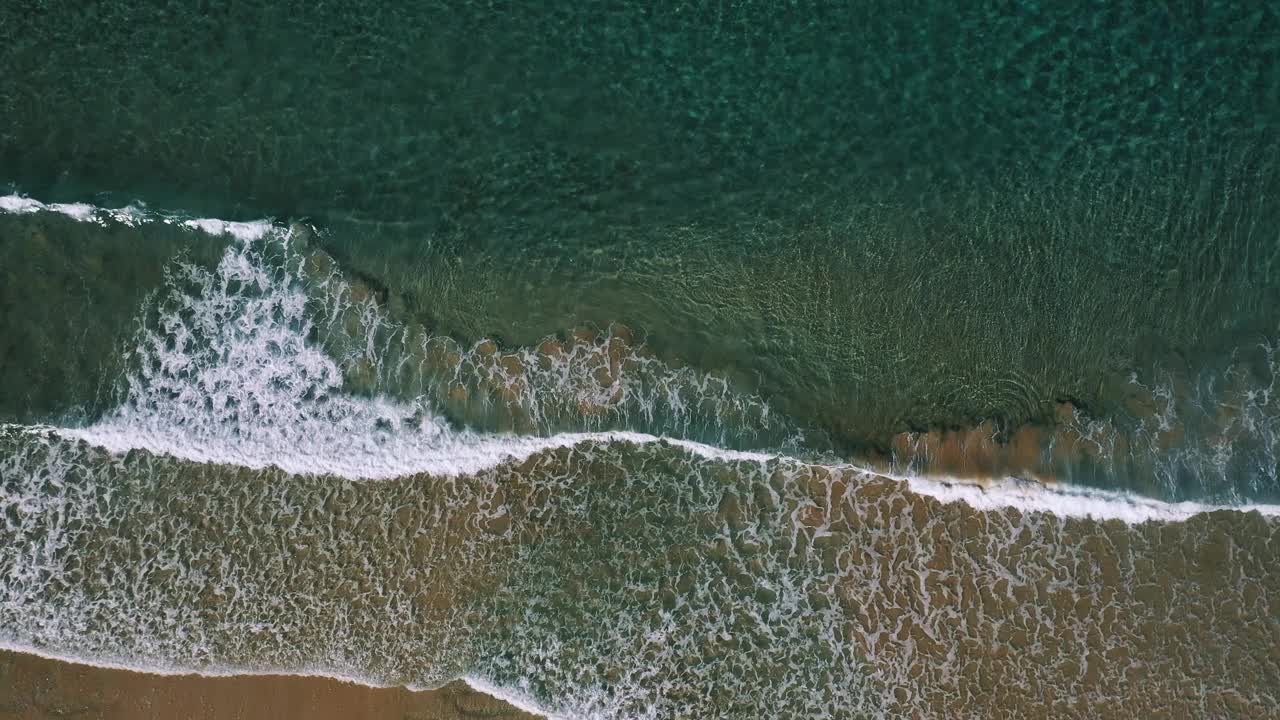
(35, 688)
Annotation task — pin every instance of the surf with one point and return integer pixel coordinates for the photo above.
(228, 371)
(238, 459)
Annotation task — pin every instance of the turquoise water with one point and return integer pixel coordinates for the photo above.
(286, 478)
(582, 324)
(447, 114)
(880, 218)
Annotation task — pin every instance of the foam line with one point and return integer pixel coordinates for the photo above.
(242, 385)
(349, 453)
(486, 451)
(137, 214)
(513, 698)
(1067, 500)
(518, 700)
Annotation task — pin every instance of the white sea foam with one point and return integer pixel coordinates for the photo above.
(514, 698)
(19, 204)
(1067, 500)
(230, 376)
(23, 205)
(135, 215)
(347, 450)
(227, 374)
(1221, 431)
(243, 231)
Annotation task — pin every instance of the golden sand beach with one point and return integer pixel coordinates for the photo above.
(36, 688)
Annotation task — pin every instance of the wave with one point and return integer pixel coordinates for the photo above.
(602, 580)
(244, 511)
(137, 214)
(229, 371)
(1068, 501)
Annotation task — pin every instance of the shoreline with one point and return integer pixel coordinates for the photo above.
(34, 686)
(1160, 438)
(981, 492)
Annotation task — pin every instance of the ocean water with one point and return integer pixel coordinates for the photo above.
(242, 507)
(667, 360)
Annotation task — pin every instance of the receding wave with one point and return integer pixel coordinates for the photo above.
(279, 490)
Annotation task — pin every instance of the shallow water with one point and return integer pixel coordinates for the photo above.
(247, 506)
(635, 581)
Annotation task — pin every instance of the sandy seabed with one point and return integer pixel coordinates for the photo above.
(35, 688)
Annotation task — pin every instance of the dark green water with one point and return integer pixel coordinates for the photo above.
(878, 216)
(355, 434)
(451, 114)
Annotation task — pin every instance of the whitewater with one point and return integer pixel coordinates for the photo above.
(246, 364)
(226, 373)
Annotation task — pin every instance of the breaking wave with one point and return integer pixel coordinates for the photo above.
(671, 555)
